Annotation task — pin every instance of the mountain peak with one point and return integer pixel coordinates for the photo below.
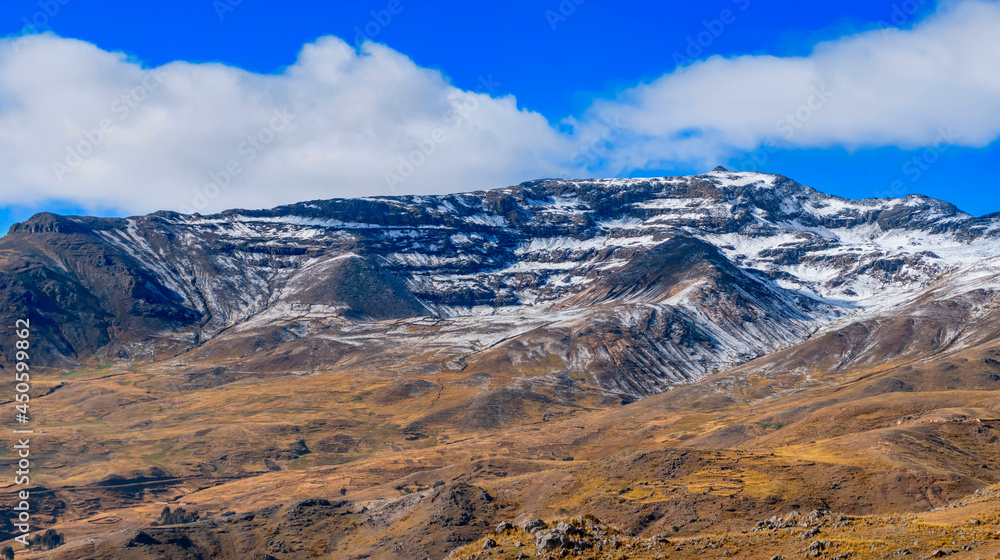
(720, 169)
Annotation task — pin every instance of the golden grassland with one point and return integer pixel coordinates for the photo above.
(703, 462)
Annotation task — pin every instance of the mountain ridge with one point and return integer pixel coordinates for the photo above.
(390, 376)
(529, 250)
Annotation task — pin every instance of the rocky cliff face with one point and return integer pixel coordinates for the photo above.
(638, 283)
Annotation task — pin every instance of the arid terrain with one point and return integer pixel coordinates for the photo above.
(671, 368)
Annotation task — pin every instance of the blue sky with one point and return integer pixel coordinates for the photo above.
(571, 66)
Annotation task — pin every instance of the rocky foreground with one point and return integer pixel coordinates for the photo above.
(817, 534)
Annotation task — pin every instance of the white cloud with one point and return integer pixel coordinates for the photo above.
(884, 87)
(333, 124)
(337, 122)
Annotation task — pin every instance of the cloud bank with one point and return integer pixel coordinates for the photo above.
(81, 124)
(886, 87)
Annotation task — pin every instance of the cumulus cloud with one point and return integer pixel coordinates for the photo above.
(939, 81)
(79, 123)
(97, 128)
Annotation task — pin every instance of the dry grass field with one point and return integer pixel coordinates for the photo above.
(352, 462)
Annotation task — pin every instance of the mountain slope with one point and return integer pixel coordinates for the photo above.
(682, 356)
(686, 275)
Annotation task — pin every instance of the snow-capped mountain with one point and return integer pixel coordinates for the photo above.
(635, 284)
